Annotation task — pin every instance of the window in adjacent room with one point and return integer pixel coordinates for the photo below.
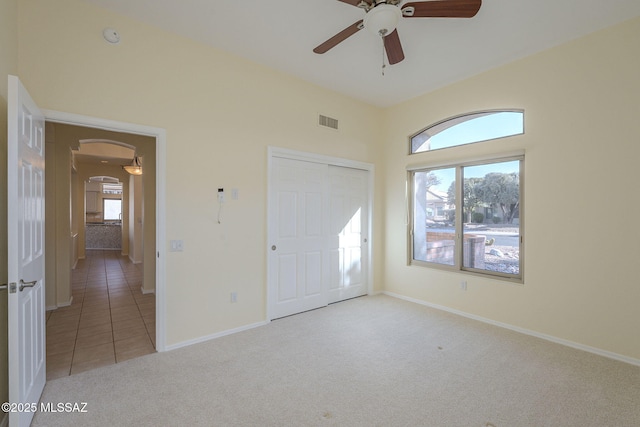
(112, 209)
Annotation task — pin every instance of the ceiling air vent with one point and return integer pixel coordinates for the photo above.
(327, 122)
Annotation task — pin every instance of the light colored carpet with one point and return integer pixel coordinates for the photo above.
(371, 361)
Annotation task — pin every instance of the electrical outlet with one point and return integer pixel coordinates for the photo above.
(463, 285)
(234, 297)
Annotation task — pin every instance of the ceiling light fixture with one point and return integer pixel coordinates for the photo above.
(382, 19)
(135, 168)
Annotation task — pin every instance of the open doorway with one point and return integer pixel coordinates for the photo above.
(101, 273)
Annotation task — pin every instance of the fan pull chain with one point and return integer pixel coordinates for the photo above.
(383, 64)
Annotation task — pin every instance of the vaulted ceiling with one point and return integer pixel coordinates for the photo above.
(438, 51)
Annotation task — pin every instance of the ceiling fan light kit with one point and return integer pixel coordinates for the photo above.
(383, 16)
(382, 19)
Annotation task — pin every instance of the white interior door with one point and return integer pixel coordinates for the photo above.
(318, 235)
(348, 246)
(298, 268)
(27, 355)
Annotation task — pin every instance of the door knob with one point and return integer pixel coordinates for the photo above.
(24, 284)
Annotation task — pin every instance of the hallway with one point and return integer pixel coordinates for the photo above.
(109, 320)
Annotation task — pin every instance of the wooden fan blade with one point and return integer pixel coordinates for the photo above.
(340, 37)
(393, 47)
(442, 9)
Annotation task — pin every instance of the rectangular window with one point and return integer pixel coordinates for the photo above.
(112, 209)
(468, 217)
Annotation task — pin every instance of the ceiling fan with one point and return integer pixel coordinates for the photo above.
(382, 17)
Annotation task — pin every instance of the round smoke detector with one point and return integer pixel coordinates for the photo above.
(111, 35)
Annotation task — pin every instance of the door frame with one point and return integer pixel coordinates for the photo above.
(330, 161)
(160, 136)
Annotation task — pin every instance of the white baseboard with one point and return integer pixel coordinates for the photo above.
(133, 261)
(144, 291)
(578, 346)
(63, 304)
(216, 335)
(66, 303)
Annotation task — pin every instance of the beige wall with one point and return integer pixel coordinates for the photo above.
(581, 103)
(220, 114)
(8, 65)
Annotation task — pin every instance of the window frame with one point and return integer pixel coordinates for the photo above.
(459, 119)
(458, 265)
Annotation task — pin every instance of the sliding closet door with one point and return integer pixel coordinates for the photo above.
(348, 240)
(298, 266)
(318, 244)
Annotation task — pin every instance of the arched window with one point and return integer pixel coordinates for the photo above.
(467, 214)
(467, 129)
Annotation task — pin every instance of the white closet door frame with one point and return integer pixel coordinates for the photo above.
(331, 161)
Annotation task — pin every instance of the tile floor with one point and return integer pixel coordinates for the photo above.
(109, 321)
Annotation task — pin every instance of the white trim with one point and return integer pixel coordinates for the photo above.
(551, 338)
(145, 292)
(161, 154)
(317, 158)
(216, 335)
(331, 161)
(66, 303)
(107, 141)
(472, 160)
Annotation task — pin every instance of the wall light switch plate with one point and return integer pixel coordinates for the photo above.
(176, 246)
